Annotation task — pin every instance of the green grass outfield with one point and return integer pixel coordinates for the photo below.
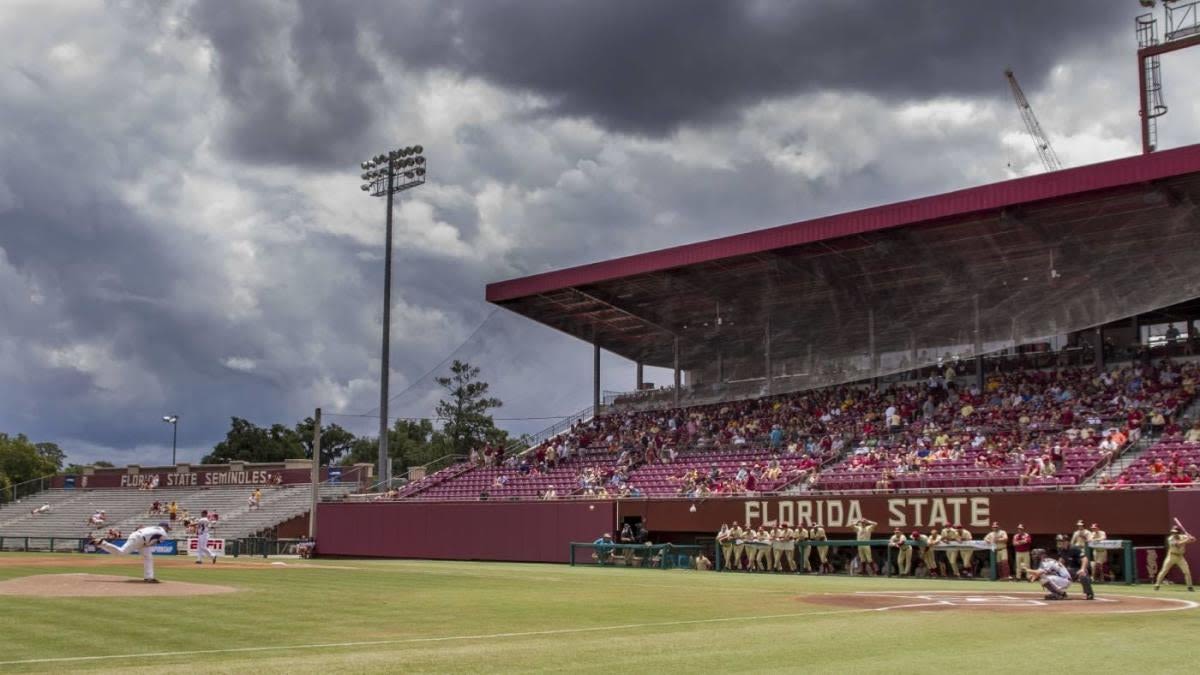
(485, 617)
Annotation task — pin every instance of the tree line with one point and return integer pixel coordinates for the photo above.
(465, 416)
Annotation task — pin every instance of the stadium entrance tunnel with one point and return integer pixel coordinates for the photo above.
(997, 601)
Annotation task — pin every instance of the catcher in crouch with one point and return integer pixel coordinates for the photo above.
(1055, 577)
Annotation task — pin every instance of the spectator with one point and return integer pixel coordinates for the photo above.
(602, 549)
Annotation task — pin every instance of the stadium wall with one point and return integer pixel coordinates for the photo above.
(540, 531)
(507, 531)
(1129, 513)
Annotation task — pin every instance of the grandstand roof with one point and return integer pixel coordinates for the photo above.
(1038, 256)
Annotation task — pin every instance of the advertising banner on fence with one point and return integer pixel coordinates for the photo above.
(215, 546)
(168, 547)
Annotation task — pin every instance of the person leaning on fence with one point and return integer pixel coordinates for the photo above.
(949, 535)
(965, 554)
(800, 536)
(929, 553)
(1022, 545)
(739, 546)
(999, 539)
(780, 544)
(901, 552)
(602, 549)
(725, 544)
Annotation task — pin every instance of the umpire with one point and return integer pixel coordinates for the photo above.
(1076, 563)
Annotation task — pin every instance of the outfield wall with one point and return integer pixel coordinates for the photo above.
(509, 531)
(540, 531)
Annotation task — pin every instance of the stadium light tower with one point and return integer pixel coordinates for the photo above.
(173, 420)
(383, 176)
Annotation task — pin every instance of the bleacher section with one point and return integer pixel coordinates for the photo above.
(1173, 461)
(128, 510)
(1029, 429)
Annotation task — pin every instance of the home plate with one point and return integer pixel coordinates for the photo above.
(1000, 601)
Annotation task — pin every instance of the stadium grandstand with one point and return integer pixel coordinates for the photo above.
(250, 500)
(953, 341)
(1031, 337)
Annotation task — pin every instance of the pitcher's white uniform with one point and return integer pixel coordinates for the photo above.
(141, 541)
(202, 530)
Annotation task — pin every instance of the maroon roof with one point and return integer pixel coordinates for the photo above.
(993, 197)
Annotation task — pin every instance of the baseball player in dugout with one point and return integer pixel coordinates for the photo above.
(1177, 543)
(725, 541)
(817, 533)
(862, 532)
(1099, 556)
(929, 554)
(1080, 537)
(964, 535)
(780, 543)
(739, 546)
(902, 552)
(789, 553)
(802, 542)
(798, 535)
(950, 536)
(999, 538)
(1022, 544)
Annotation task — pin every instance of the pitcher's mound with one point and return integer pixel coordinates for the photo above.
(102, 585)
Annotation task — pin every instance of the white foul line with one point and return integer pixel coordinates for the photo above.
(447, 638)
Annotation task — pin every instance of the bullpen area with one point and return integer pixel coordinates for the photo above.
(75, 612)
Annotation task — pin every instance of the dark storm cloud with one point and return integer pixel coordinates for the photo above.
(298, 85)
(301, 85)
(650, 66)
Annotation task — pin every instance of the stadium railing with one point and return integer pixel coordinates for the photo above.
(1128, 560)
(655, 556)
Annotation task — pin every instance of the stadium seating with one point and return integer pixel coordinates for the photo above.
(1172, 461)
(1034, 429)
(128, 510)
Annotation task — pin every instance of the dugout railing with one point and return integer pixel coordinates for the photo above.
(652, 556)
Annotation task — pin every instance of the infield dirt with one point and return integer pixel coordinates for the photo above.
(103, 585)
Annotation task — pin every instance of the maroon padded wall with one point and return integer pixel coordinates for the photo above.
(509, 531)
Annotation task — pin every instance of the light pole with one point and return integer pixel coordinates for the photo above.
(385, 175)
(173, 420)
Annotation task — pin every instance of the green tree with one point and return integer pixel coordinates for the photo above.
(52, 453)
(466, 419)
(21, 461)
(335, 441)
(248, 442)
(410, 443)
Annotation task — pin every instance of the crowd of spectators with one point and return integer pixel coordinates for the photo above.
(1032, 427)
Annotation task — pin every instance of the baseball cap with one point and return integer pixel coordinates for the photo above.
(1095, 526)
(1020, 526)
(1175, 528)
(164, 525)
(995, 525)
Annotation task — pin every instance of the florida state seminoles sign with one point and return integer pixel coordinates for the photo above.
(900, 512)
(1129, 513)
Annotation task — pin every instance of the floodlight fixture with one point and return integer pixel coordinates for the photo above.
(384, 176)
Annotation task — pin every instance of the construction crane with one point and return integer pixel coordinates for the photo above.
(1044, 149)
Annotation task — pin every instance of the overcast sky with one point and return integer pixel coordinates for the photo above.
(182, 231)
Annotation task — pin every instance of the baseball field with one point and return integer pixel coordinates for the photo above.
(76, 612)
